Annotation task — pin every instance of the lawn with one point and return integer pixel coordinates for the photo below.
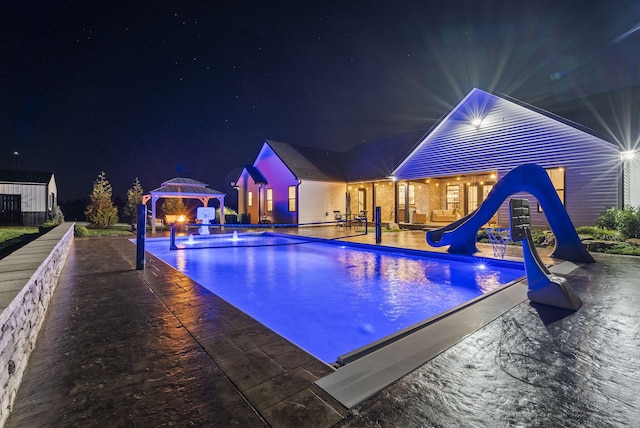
(10, 232)
(119, 229)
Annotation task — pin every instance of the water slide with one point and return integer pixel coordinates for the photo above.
(460, 235)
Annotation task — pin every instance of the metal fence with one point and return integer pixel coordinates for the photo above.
(198, 235)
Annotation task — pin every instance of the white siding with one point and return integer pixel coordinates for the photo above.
(512, 135)
(53, 188)
(319, 199)
(634, 182)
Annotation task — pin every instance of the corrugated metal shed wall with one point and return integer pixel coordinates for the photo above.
(511, 135)
(34, 198)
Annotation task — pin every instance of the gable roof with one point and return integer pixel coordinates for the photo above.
(255, 174)
(378, 159)
(17, 176)
(509, 130)
(308, 162)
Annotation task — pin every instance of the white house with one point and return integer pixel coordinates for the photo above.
(485, 136)
(446, 172)
(291, 185)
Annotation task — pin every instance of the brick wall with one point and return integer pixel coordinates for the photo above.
(22, 318)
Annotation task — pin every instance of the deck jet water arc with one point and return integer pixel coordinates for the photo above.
(544, 287)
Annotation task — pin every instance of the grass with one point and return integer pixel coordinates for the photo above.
(119, 229)
(10, 232)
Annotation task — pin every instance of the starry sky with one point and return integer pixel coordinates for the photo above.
(162, 89)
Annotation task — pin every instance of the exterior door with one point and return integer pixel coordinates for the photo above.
(10, 209)
(362, 200)
(472, 198)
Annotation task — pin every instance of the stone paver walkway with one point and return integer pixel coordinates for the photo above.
(153, 348)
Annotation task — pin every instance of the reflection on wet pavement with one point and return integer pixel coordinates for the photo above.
(575, 370)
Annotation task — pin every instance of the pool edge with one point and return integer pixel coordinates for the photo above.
(364, 377)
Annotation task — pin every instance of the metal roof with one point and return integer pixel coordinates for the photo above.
(186, 187)
(308, 162)
(184, 182)
(18, 176)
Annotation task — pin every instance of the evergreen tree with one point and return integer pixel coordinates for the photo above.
(173, 206)
(134, 197)
(101, 212)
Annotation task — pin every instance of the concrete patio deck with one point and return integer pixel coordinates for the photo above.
(152, 348)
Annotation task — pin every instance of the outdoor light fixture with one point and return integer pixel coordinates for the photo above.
(628, 155)
(476, 122)
(393, 178)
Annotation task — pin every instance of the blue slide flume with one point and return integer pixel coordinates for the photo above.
(460, 235)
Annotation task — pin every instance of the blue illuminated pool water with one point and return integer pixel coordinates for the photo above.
(332, 299)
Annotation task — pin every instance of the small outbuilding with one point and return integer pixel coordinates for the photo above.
(27, 198)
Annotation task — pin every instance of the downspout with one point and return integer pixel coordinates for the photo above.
(46, 202)
(297, 212)
(259, 204)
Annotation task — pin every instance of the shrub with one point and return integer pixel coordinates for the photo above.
(626, 221)
(629, 222)
(608, 219)
(56, 216)
(624, 249)
(227, 211)
(80, 231)
(599, 233)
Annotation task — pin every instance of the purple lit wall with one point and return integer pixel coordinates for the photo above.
(511, 134)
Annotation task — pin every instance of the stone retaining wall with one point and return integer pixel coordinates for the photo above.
(28, 278)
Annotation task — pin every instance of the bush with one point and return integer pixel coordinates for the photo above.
(599, 233)
(80, 231)
(56, 216)
(608, 219)
(629, 222)
(626, 221)
(624, 249)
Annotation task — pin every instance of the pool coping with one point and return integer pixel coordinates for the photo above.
(355, 382)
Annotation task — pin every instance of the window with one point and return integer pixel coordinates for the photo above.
(476, 194)
(269, 199)
(250, 199)
(362, 199)
(472, 198)
(402, 191)
(453, 197)
(292, 198)
(556, 175)
(412, 194)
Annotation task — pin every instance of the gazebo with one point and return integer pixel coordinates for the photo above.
(186, 188)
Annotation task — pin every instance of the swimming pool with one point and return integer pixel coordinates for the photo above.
(330, 298)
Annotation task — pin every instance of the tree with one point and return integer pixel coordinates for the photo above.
(101, 212)
(134, 197)
(173, 206)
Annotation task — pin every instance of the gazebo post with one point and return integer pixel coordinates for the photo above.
(221, 199)
(154, 199)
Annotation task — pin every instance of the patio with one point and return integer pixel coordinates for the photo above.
(153, 348)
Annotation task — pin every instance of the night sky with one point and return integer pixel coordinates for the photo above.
(160, 89)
